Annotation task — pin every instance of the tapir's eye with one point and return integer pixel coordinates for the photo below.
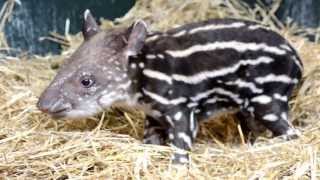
(87, 81)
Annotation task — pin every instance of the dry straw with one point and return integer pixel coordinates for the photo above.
(34, 146)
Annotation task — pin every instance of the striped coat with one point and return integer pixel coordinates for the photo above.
(199, 70)
(184, 76)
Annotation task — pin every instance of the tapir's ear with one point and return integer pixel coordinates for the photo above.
(90, 26)
(136, 38)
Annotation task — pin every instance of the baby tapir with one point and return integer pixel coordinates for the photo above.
(184, 75)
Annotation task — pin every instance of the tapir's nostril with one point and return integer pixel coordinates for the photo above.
(52, 105)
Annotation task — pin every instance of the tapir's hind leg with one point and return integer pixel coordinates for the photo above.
(154, 132)
(249, 126)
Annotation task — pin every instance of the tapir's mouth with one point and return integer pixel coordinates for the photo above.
(60, 113)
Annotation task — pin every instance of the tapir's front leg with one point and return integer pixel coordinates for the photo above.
(182, 132)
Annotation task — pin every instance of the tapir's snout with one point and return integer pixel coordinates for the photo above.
(53, 104)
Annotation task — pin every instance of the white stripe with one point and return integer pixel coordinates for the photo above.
(163, 100)
(169, 120)
(192, 104)
(257, 26)
(197, 78)
(298, 63)
(286, 47)
(221, 91)
(276, 78)
(238, 46)
(262, 99)
(270, 117)
(192, 121)
(215, 100)
(180, 33)
(157, 75)
(284, 116)
(152, 38)
(151, 56)
(212, 27)
(280, 97)
(185, 138)
(244, 84)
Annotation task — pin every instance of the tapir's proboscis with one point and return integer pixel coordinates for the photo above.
(185, 75)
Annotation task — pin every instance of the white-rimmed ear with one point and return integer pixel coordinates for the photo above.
(136, 38)
(90, 26)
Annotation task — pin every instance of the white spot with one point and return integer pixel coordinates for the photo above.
(238, 46)
(147, 123)
(170, 92)
(292, 132)
(270, 117)
(262, 99)
(161, 56)
(276, 78)
(118, 79)
(183, 159)
(141, 65)
(151, 56)
(171, 136)
(163, 100)
(108, 99)
(185, 138)
(212, 27)
(133, 65)
(280, 97)
(251, 110)
(157, 75)
(177, 116)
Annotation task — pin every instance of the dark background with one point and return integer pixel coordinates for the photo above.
(35, 18)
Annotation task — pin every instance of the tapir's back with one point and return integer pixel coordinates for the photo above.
(221, 50)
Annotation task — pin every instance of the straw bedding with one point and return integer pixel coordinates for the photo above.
(34, 146)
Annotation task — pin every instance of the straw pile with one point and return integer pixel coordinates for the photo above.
(34, 146)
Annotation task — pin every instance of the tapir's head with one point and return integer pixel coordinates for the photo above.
(95, 76)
